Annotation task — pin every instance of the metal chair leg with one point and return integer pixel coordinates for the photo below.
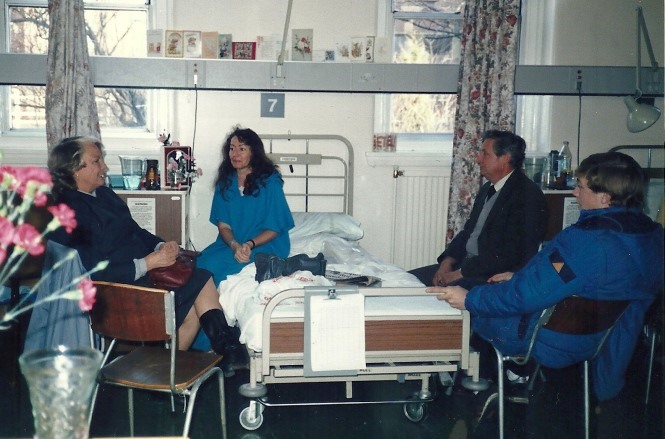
(652, 350)
(499, 358)
(130, 401)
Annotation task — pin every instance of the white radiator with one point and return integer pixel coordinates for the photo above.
(420, 215)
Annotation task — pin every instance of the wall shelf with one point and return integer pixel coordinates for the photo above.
(213, 74)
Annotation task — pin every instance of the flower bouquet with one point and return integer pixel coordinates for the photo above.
(21, 189)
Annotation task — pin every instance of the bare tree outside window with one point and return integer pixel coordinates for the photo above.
(425, 32)
(110, 33)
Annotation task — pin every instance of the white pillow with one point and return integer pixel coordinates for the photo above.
(339, 224)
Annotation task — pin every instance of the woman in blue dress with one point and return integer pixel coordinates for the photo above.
(249, 208)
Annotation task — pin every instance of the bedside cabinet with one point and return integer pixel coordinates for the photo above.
(163, 213)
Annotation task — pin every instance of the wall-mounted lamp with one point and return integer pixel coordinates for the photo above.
(641, 115)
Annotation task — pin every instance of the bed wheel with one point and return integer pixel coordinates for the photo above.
(415, 411)
(251, 417)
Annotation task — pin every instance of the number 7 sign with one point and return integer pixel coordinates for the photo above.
(272, 104)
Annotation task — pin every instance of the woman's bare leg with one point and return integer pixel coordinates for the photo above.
(207, 299)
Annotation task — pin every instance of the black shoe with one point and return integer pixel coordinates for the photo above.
(233, 359)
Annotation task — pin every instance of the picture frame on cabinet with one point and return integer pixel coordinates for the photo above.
(178, 165)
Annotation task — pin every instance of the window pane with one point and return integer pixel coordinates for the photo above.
(121, 107)
(422, 41)
(448, 6)
(116, 107)
(425, 32)
(116, 33)
(421, 113)
(27, 110)
(28, 30)
(110, 33)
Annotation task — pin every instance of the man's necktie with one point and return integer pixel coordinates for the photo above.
(491, 192)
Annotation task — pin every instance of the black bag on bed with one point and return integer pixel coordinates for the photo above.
(269, 266)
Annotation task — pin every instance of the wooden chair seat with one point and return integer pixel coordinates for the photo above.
(149, 368)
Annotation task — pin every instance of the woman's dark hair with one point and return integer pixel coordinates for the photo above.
(506, 142)
(616, 174)
(65, 159)
(261, 166)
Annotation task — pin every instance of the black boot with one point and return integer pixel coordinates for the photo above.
(222, 339)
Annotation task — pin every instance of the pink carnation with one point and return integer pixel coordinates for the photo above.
(89, 292)
(6, 232)
(27, 237)
(65, 216)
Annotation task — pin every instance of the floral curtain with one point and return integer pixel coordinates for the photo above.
(70, 96)
(484, 97)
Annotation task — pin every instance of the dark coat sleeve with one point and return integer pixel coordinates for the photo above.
(512, 233)
(106, 232)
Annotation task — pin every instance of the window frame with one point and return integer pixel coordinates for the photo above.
(441, 142)
(157, 17)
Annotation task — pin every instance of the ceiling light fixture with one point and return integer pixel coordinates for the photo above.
(641, 115)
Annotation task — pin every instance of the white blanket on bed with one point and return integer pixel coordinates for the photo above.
(243, 299)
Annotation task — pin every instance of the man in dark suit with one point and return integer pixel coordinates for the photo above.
(507, 223)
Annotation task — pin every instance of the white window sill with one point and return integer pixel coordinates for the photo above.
(392, 159)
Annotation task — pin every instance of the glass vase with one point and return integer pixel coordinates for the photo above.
(61, 382)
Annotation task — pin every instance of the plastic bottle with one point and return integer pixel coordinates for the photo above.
(565, 162)
(554, 164)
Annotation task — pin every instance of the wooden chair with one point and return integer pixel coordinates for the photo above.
(573, 315)
(137, 314)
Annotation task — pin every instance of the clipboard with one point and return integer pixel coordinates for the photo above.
(343, 308)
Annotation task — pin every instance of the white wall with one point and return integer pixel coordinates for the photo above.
(596, 33)
(306, 113)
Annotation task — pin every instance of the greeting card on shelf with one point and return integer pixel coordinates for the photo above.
(174, 43)
(268, 47)
(244, 49)
(369, 49)
(192, 44)
(209, 45)
(155, 40)
(302, 43)
(357, 53)
(224, 46)
(343, 51)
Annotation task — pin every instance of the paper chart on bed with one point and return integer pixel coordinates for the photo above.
(337, 333)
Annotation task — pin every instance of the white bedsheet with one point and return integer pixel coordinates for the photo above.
(243, 299)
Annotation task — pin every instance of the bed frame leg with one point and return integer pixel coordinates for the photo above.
(473, 381)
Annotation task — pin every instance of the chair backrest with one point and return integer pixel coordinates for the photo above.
(133, 313)
(581, 316)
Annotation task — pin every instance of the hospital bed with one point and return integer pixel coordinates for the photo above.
(286, 325)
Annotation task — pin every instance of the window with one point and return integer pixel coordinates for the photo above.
(114, 28)
(423, 32)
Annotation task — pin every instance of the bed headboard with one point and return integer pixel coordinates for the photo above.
(317, 170)
(652, 159)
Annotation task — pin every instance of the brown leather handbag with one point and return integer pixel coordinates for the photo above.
(177, 274)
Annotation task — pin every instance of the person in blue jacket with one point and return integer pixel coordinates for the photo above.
(249, 208)
(613, 252)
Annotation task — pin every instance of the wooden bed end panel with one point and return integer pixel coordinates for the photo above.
(380, 335)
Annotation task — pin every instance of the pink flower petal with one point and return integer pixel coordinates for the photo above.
(89, 292)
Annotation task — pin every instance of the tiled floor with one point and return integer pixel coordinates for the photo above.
(555, 410)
